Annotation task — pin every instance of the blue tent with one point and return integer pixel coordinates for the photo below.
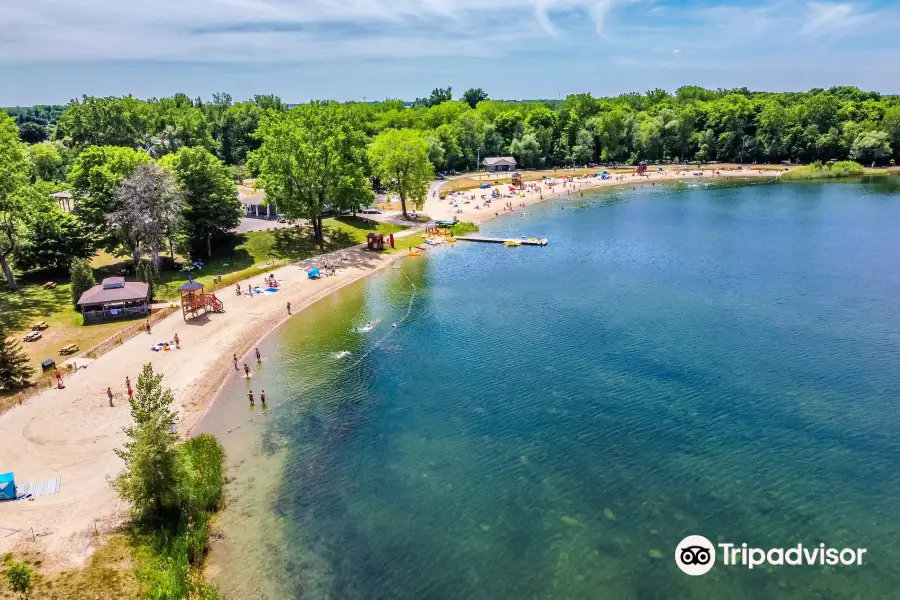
(313, 273)
(7, 486)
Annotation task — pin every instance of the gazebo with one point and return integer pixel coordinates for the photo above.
(115, 298)
(195, 301)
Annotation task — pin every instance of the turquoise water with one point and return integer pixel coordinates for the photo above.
(551, 422)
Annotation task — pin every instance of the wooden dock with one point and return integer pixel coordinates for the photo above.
(491, 240)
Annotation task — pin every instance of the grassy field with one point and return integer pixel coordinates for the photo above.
(244, 256)
(110, 574)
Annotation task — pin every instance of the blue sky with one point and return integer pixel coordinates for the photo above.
(54, 50)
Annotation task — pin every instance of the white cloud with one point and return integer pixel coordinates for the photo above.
(826, 18)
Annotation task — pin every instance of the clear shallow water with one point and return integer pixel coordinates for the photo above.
(715, 361)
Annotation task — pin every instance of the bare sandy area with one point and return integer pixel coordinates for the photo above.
(462, 205)
(71, 433)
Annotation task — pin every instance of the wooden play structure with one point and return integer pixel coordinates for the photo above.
(517, 181)
(375, 241)
(196, 302)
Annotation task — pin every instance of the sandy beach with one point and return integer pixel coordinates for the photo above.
(71, 433)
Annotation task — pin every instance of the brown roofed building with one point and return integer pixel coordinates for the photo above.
(115, 298)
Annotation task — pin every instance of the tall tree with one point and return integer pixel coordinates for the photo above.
(53, 238)
(14, 169)
(149, 204)
(94, 177)
(150, 479)
(400, 158)
(473, 96)
(33, 133)
(312, 157)
(46, 161)
(14, 368)
(210, 205)
(107, 121)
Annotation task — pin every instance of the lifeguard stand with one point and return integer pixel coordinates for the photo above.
(517, 181)
(195, 302)
(642, 167)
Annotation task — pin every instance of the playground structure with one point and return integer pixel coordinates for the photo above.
(196, 302)
(517, 181)
(641, 168)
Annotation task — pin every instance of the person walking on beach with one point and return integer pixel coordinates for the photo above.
(262, 397)
(59, 384)
(109, 395)
(246, 370)
(236, 363)
(258, 356)
(250, 396)
(177, 342)
(289, 308)
(148, 325)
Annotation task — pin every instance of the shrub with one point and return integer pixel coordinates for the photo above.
(19, 577)
(82, 276)
(14, 368)
(816, 170)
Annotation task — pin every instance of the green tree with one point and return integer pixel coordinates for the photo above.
(33, 133)
(313, 157)
(52, 237)
(46, 161)
(14, 368)
(151, 479)
(81, 275)
(107, 121)
(872, 146)
(14, 170)
(473, 96)
(210, 205)
(144, 272)
(94, 177)
(18, 575)
(526, 149)
(400, 158)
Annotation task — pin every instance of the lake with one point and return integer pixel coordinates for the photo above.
(548, 423)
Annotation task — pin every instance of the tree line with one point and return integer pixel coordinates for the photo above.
(174, 160)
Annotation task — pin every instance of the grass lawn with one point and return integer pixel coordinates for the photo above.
(245, 255)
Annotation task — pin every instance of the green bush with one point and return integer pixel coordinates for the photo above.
(463, 227)
(19, 577)
(817, 170)
(82, 276)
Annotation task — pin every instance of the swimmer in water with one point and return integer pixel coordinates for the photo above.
(393, 324)
(247, 370)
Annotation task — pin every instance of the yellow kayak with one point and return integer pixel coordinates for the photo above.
(512, 243)
(451, 240)
(415, 253)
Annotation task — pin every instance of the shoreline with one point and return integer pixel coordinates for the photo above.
(71, 433)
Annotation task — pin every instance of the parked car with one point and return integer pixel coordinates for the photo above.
(371, 210)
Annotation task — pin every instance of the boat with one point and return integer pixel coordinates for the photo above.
(452, 240)
(415, 253)
(512, 243)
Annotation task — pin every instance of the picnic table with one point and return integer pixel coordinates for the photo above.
(40, 326)
(32, 336)
(70, 349)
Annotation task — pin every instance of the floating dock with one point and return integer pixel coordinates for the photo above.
(491, 240)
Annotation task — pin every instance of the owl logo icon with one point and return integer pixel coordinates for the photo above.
(695, 555)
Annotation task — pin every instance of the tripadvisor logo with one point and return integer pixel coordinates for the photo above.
(696, 555)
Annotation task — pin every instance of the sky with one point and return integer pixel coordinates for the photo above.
(55, 50)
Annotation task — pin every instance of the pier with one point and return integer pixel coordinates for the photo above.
(492, 240)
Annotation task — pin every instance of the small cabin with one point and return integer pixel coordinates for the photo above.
(500, 164)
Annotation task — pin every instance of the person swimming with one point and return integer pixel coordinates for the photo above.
(393, 324)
